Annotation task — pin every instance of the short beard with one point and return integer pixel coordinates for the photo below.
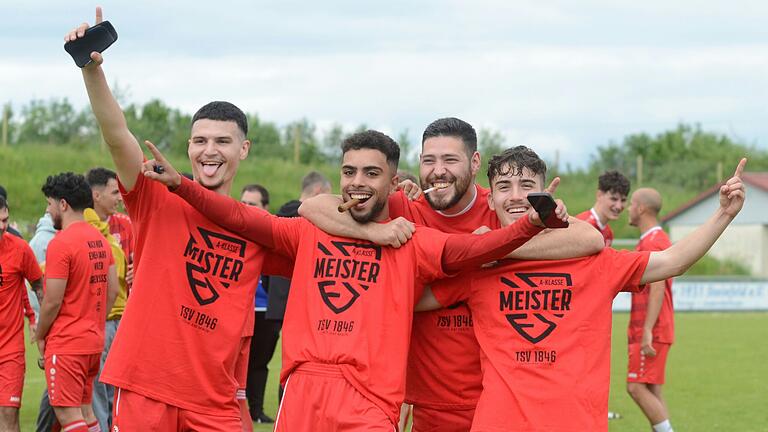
(461, 185)
(57, 223)
(371, 215)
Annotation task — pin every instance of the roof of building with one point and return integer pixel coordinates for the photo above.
(755, 179)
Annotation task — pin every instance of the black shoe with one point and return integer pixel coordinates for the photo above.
(262, 418)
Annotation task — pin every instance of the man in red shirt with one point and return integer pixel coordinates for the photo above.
(651, 328)
(17, 264)
(349, 313)
(80, 287)
(612, 192)
(444, 376)
(174, 356)
(544, 327)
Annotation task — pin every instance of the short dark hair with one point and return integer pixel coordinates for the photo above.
(513, 161)
(3, 192)
(313, 178)
(70, 187)
(223, 111)
(374, 140)
(260, 189)
(453, 127)
(613, 181)
(99, 176)
(3, 203)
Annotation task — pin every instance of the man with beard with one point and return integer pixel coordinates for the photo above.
(173, 358)
(17, 264)
(545, 326)
(80, 287)
(610, 201)
(444, 376)
(349, 313)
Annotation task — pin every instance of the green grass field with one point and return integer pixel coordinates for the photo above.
(717, 376)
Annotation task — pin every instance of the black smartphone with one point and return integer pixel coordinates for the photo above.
(545, 205)
(97, 38)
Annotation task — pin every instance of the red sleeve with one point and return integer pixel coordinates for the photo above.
(626, 266)
(464, 251)
(144, 199)
(450, 291)
(250, 222)
(57, 260)
(400, 205)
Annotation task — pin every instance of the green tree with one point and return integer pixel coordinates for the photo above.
(332, 143)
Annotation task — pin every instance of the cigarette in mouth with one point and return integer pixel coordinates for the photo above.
(349, 204)
(433, 188)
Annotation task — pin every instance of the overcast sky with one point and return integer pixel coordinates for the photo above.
(552, 75)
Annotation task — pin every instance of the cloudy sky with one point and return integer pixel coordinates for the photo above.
(558, 75)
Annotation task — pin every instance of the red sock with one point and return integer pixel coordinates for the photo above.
(75, 426)
(94, 427)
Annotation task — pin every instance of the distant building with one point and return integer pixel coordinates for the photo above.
(746, 239)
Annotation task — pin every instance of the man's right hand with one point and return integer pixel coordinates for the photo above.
(77, 33)
(167, 175)
(394, 233)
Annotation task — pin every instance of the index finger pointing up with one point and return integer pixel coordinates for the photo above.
(155, 152)
(740, 167)
(553, 186)
(99, 15)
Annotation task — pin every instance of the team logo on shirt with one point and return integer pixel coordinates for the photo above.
(213, 262)
(535, 306)
(343, 279)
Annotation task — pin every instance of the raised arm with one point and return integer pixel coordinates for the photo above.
(578, 240)
(322, 211)
(125, 150)
(464, 251)
(676, 259)
(251, 222)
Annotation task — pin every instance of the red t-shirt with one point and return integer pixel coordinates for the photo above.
(444, 358)
(82, 256)
(194, 284)
(352, 303)
(655, 239)
(545, 331)
(17, 263)
(590, 216)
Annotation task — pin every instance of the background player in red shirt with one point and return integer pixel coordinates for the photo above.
(444, 376)
(545, 326)
(610, 201)
(348, 318)
(17, 264)
(81, 286)
(651, 329)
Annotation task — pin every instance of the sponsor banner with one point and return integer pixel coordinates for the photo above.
(710, 295)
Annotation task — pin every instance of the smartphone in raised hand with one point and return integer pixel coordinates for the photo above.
(545, 206)
(97, 38)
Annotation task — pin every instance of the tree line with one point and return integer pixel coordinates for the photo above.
(686, 156)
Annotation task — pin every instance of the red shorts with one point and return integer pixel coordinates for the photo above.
(134, 412)
(70, 378)
(317, 398)
(443, 419)
(12, 369)
(241, 367)
(647, 369)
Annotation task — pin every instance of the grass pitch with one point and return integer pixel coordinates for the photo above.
(717, 376)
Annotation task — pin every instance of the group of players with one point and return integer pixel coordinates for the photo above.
(513, 322)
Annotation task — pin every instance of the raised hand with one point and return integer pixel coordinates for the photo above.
(560, 209)
(79, 32)
(159, 169)
(732, 193)
(410, 189)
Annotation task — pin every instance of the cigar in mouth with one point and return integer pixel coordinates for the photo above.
(349, 204)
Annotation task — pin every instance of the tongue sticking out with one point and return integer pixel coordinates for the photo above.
(210, 170)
